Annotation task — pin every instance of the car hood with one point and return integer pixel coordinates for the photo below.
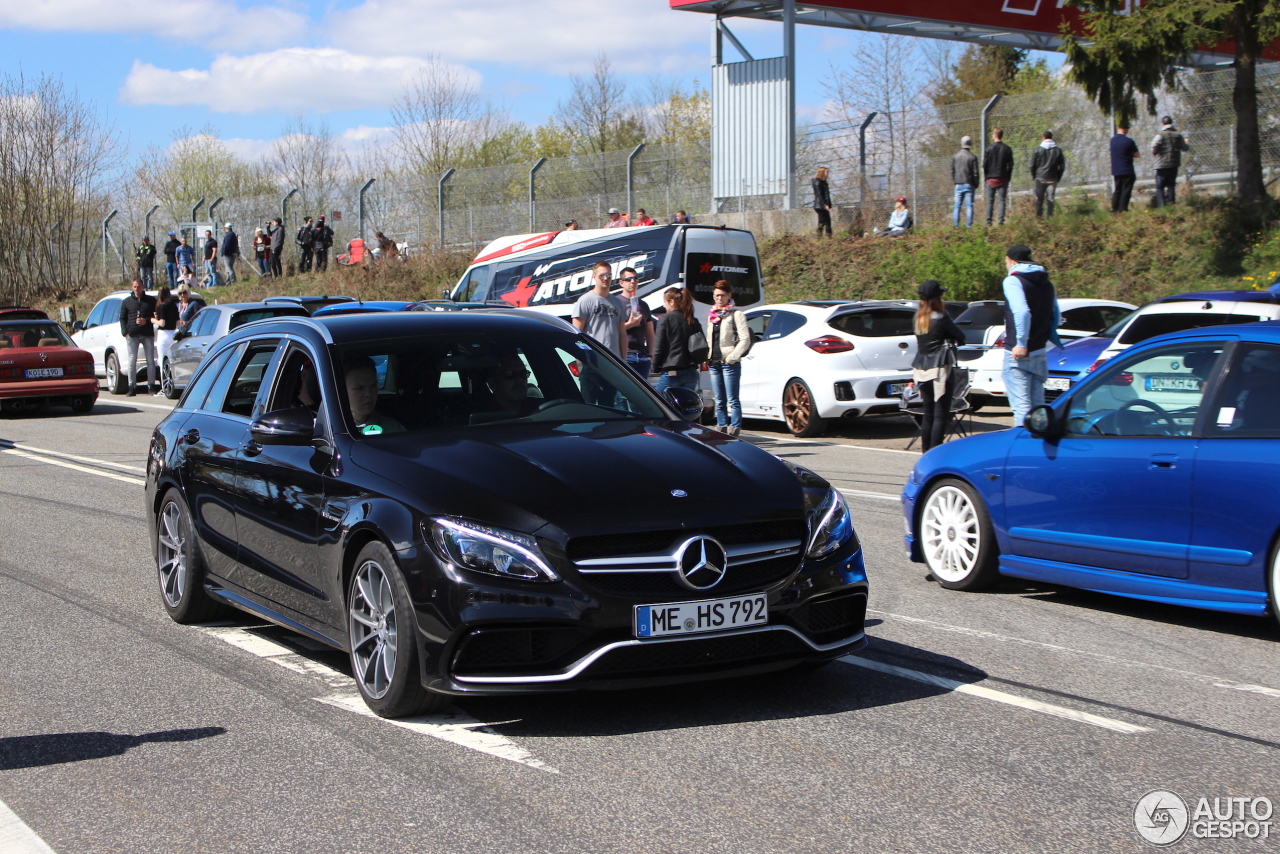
(1078, 355)
(580, 478)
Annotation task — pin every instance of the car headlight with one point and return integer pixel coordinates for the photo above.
(495, 551)
(830, 525)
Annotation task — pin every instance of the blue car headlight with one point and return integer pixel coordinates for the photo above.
(495, 551)
(830, 525)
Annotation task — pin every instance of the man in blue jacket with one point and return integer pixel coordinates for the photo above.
(230, 252)
(1031, 320)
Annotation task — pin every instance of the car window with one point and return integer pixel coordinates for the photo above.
(876, 322)
(1086, 318)
(981, 316)
(1111, 315)
(783, 324)
(29, 335)
(247, 379)
(1157, 393)
(296, 383)
(1151, 325)
(474, 285)
(206, 375)
(1248, 404)
(757, 322)
(240, 318)
(98, 314)
(204, 323)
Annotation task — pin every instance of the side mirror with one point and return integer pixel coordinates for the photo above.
(444, 294)
(77, 326)
(180, 334)
(686, 401)
(294, 426)
(1040, 421)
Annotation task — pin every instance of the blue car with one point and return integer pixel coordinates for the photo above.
(1156, 477)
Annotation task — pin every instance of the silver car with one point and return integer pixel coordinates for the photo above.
(214, 321)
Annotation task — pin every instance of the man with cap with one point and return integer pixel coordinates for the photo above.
(964, 173)
(1123, 150)
(322, 239)
(572, 225)
(1031, 320)
(1167, 150)
(230, 252)
(1047, 167)
(171, 260)
(933, 369)
(997, 166)
(616, 219)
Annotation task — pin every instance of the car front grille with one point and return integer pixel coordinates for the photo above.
(829, 620)
(643, 564)
(695, 653)
(502, 650)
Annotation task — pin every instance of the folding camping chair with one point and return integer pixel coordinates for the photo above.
(961, 412)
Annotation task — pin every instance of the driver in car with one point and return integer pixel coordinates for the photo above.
(509, 385)
(362, 391)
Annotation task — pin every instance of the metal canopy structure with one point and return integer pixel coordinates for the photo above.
(1025, 24)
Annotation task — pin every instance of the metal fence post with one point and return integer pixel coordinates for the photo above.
(440, 201)
(195, 212)
(367, 185)
(106, 237)
(147, 228)
(631, 180)
(533, 192)
(862, 162)
(284, 207)
(216, 202)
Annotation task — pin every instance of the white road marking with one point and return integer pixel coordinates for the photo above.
(1217, 682)
(791, 439)
(86, 469)
(16, 837)
(61, 455)
(168, 408)
(862, 493)
(999, 696)
(455, 728)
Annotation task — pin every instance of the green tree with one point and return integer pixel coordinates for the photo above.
(1121, 56)
(980, 72)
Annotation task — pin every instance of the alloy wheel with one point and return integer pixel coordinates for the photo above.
(372, 618)
(797, 407)
(950, 534)
(172, 555)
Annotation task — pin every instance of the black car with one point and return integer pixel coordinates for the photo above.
(310, 303)
(489, 502)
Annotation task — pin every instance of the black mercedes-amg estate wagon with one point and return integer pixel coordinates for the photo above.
(486, 503)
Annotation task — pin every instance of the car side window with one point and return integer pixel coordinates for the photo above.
(212, 372)
(1157, 393)
(242, 391)
(95, 316)
(1112, 314)
(1086, 319)
(297, 383)
(783, 324)
(476, 286)
(204, 323)
(1248, 404)
(757, 322)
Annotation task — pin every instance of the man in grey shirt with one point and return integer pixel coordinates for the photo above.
(600, 315)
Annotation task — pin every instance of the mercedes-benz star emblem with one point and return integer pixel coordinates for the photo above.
(702, 562)
(678, 493)
(43, 357)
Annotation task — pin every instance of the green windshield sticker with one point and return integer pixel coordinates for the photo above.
(371, 430)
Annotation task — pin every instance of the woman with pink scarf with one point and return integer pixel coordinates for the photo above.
(730, 340)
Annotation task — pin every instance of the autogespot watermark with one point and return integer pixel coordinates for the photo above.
(1164, 818)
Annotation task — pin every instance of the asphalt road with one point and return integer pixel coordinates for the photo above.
(1025, 719)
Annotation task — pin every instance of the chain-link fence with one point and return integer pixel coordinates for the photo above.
(906, 153)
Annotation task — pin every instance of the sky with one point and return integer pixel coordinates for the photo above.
(246, 68)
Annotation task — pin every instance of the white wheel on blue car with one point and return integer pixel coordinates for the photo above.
(1273, 580)
(956, 537)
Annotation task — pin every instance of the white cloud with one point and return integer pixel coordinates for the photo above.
(220, 24)
(556, 36)
(306, 79)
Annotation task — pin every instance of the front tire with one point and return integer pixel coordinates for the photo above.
(800, 411)
(1273, 582)
(956, 537)
(384, 648)
(166, 381)
(115, 380)
(179, 565)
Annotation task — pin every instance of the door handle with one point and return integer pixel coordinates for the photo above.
(1164, 462)
(191, 436)
(252, 449)
(902, 345)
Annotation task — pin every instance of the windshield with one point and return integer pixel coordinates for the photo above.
(1114, 329)
(240, 318)
(475, 382)
(1151, 325)
(22, 335)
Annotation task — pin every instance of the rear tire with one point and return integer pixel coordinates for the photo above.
(179, 565)
(383, 640)
(1273, 582)
(956, 537)
(800, 412)
(115, 381)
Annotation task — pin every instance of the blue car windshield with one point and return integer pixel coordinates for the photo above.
(477, 382)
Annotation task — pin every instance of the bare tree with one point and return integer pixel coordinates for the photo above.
(310, 158)
(441, 119)
(55, 154)
(196, 166)
(598, 113)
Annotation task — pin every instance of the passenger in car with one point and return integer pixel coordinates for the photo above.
(362, 393)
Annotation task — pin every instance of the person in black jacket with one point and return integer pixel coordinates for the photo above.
(276, 231)
(1047, 166)
(146, 258)
(171, 260)
(230, 252)
(137, 316)
(822, 201)
(933, 369)
(997, 168)
(671, 345)
(322, 239)
(306, 242)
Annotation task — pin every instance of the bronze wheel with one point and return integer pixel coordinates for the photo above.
(800, 411)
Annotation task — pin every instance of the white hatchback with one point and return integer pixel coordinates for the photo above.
(812, 363)
(100, 334)
(1080, 318)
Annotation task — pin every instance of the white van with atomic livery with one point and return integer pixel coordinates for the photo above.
(548, 272)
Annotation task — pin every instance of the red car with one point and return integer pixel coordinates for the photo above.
(39, 366)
